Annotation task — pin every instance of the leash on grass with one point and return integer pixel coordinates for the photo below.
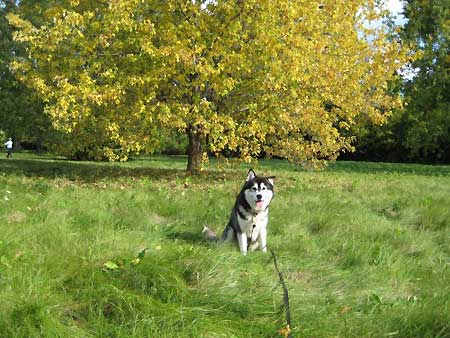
(286, 331)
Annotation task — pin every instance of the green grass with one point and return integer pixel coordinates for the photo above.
(364, 248)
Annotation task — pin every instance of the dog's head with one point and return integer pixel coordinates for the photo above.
(258, 191)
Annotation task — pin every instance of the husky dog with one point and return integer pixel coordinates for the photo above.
(250, 215)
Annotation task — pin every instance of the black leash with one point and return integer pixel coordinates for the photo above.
(287, 331)
(285, 294)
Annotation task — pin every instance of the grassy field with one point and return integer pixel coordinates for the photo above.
(364, 248)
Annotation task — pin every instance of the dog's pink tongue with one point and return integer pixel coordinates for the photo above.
(259, 204)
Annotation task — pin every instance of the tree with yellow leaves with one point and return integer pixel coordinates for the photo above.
(255, 77)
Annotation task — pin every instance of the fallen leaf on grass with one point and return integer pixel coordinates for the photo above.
(285, 331)
(346, 309)
(391, 212)
(135, 261)
(139, 257)
(376, 299)
(390, 334)
(111, 265)
(141, 253)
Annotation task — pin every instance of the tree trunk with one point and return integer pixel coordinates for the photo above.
(195, 149)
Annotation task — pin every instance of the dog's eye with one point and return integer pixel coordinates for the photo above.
(263, 188)
(254, 189)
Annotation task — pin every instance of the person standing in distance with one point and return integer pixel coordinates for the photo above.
(9, 147)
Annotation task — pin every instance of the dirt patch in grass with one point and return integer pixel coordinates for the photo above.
(16, 217)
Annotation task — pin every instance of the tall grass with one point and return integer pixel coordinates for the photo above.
(364, 248)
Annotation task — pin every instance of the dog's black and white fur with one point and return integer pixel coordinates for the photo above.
(250, 214)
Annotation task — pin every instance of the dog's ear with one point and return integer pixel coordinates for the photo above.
(271, 179)
(250, 175)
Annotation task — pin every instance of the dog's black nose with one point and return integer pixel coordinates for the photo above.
(259, 196)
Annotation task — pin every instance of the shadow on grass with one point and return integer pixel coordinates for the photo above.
(91, 172)
(170, 168)
(83, 171)
(389, 168)
(196, 238)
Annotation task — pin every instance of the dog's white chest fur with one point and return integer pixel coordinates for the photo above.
(253, 231)
(252, 225)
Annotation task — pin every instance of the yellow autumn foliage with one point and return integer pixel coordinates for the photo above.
(276, 77)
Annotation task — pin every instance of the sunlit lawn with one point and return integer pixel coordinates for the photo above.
(364, 248)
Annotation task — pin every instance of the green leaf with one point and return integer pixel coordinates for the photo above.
(111, 265)
(141, 254)
(376, 298)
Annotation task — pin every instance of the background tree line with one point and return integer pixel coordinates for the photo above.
(420, 132)
(103, 80)
(21, 111)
